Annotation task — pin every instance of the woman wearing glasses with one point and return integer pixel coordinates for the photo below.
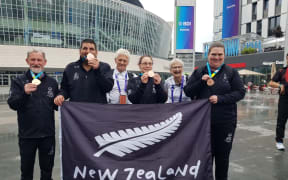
(147, 88)
(174, 85)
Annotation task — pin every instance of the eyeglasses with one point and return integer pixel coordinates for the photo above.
(147, 64)
(176, 67)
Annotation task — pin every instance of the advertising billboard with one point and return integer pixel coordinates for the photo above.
(184, 28)
(230, 25)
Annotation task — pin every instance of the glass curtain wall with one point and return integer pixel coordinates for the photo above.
(65, 23)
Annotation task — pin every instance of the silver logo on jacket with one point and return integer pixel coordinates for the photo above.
(50, 92)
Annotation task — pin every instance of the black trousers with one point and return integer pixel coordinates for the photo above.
(222, 136)
(282, 118)
(46, 151)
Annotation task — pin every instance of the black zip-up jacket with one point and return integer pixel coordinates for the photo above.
(228, 88)
(82, 86)
(140, 93)
(279, 76)
(35, 111)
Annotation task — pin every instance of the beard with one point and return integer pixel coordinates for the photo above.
(36, 69)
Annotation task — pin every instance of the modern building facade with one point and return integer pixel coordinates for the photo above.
(59, 26)
(255, 16)
(252, 32)
(113, 24)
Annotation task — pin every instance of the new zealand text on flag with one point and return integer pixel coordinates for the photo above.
(130, 142)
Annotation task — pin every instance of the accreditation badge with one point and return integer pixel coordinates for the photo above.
(122, 99)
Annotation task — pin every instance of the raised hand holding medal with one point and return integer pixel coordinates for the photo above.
(35, 80)
(92, 61)
(31, 87)
(210, 81)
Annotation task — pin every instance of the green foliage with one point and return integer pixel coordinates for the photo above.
(249, 50)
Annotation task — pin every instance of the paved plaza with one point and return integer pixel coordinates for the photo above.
(253, 157)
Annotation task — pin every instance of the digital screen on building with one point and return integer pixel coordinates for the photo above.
(184, 27)
(230, 25)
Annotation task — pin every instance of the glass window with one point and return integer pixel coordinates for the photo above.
(266, 4)
(273, 22)
(254, 11)
(259, 27)
(278, 2)
(248, 28)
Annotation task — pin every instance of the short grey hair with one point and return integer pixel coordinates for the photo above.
(36, 51)
(175, 60)
(124, 52)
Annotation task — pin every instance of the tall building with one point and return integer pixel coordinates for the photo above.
(252, 33)
(261, 17)
(59, 26)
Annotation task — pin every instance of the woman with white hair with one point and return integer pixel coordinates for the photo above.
(174, 85)
(118, 94)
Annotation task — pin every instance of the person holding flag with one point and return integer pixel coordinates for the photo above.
(86, 79)
(222, 86)
(280, 80)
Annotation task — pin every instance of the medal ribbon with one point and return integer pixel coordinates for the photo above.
(118, 84)
(36, 76)
(215, 72)
(181, 90)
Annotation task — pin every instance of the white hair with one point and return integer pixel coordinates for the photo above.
(36, 51)
(124, 52)
(175, 60)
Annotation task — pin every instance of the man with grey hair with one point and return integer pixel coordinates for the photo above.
(32, 96)
(118, 94)
(174, 85)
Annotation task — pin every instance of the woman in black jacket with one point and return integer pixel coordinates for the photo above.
(147, 88)
(222, 86)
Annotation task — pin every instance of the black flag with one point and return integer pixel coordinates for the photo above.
(130, 142)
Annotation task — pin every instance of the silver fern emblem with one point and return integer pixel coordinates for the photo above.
(127, 141)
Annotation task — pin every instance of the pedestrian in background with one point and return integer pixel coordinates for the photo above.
(280, 80)
(32, 95)
(222, 86)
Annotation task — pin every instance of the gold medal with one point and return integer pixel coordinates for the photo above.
(210, 82)
(36, 82)
(151, 74)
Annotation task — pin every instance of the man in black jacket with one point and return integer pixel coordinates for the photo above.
(222, 86)
(85, 80)
(32, 95)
